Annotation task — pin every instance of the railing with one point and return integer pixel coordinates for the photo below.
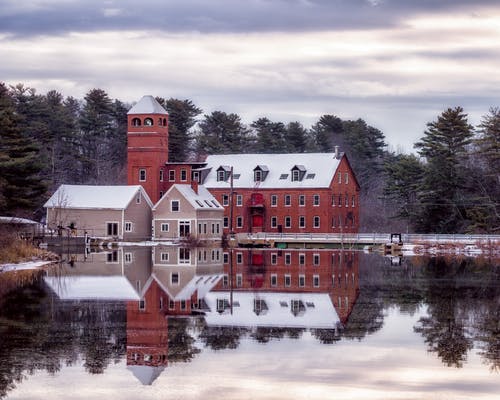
(371, 238)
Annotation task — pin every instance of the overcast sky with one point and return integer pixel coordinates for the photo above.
(395, 63)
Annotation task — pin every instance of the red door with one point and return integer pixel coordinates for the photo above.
(257, 221)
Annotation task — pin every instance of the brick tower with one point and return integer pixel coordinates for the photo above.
(147, 145)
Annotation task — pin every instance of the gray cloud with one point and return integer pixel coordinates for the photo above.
(30, 18)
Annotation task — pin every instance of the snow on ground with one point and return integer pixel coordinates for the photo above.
(23, 265)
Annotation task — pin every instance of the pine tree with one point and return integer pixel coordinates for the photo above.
(441, 194)
(222, 133)
(22, 189)
(270, 136)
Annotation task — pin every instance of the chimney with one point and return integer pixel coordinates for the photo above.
(194, 185)
(337, 152)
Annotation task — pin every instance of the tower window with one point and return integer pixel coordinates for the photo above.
(142, 175)
(148, 122)
(136, 122)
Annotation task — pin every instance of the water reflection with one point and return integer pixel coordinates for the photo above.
(155, 307)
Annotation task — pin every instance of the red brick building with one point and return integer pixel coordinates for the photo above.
(289, 193)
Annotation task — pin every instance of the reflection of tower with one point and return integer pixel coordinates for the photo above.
(345, 282)
(147, 336)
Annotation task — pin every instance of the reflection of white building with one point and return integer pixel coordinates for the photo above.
(118, 274)
(271, 309)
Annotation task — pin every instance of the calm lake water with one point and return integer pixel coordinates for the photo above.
(174, 323)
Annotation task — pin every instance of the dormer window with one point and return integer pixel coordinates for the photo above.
(148, 122)
(260, 173)
(298, 172)
(136, 122)
(223, 173)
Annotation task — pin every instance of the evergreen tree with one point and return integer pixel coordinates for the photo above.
(22, 189)
(222, 133)
(441, 194)
(404, 174)
(269, 136)
(96, 129)
(326, 133)
(296, 137)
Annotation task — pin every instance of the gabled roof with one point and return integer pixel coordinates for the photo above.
(147, 105)
(95, 197)
(203, 200)
(322, 165)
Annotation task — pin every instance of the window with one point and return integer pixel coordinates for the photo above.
(257, 176)
(340, 200)
(171, 175)
(353, 201)
(302, 221)
(346, 178)
(161, 303)
(239, 200)
(183, 304)
(112, 228)
(340, 177)
(274, 222)
(161, 194)
(347, 200)
(239, 258)
(239, 222)
(225, 280)
(302, 280)
(225, 258)
(164, 227)
(164, 256)
(288, 222)
(225, 200)
(316, 200)
(316, 221)
(283, 176)
(128, 226)
(316, 280)
(239, 280)
(138, 197)
(195, 176)
(274, 200)
(174, 278)
(142, 175)
(302, 259)
(112, 257)
(302, 200)
(288, 200)
(148, 122)
(174, 205)
(288, 258)
(142, 307)
(128, 257)
(288, 280)
(161, 175)
(171, 305)
(274, 280)
(316, 259)
(295, 175)
(183, 175)
(333, 200)
(274, 258)
(184, 255)
(136, 122)
(184, 228)
(226, 222)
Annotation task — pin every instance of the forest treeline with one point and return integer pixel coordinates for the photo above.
(452, 184)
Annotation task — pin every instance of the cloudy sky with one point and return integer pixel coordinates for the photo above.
(395, 63)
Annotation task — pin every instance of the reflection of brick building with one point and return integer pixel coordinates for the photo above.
(147, 336)
(290, 277)
(272, 192)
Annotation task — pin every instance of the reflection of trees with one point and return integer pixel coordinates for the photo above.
(220, 338)
(326, 336)
(265, 334)
(54, 333)
(489, 335)
(180, 342)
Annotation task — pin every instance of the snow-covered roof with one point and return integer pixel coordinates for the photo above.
(79, 287)
(147, 105)
(94, 196)
(16, 220)
(203, 200)
(319, 170)
(316, 310)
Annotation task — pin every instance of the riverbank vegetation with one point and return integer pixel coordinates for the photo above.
(450, 185)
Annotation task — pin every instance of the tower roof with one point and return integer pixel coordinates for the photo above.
(147, 105)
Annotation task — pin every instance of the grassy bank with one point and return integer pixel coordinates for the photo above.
(16, 250)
